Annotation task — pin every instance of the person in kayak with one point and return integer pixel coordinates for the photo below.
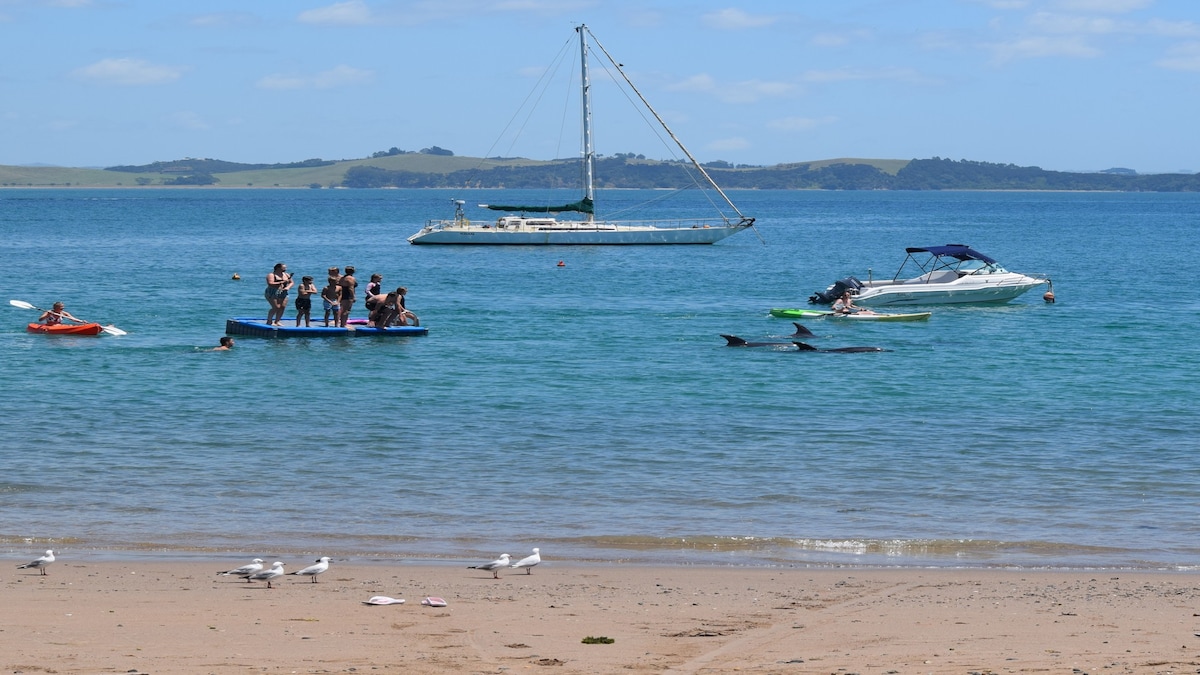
(55, 315)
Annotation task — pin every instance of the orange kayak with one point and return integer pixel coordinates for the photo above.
(66, 329)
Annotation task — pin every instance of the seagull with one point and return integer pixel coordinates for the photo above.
(494, 566)
(245, 570)
(40, 564)
(528, 561)
(313, 570)
(268, 576)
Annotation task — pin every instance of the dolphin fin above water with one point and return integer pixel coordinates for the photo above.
(805, 347)
(801, 330)
(735, 341)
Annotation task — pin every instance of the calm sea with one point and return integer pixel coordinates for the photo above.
(591, 409)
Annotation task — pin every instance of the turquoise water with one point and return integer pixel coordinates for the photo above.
(592, 409)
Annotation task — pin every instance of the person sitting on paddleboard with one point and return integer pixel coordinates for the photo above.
(55, 315)
(845, 305)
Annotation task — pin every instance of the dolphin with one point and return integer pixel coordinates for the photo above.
(804, 347)
(801, 331)
(735, 341)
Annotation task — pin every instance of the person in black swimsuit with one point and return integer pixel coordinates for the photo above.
(347, 283)
(304, 300)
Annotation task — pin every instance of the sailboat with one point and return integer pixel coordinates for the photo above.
(519, 227)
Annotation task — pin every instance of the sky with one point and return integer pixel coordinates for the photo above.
(1069, 85)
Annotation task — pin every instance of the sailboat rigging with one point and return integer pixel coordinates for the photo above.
(523, 229)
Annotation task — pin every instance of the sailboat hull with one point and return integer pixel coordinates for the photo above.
(572, 236)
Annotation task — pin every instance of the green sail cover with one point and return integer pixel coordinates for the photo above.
(582, 206)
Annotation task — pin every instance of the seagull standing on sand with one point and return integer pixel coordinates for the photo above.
(40, 564)
(494, 566)
(268, 576)
(313, 570)
(245, 570)
(528, 562)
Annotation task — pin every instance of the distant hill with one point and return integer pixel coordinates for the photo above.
(439, 168)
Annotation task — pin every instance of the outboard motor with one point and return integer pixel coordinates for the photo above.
(835, 290)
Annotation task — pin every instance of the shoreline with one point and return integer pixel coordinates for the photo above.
(87, 616)
(669, 552)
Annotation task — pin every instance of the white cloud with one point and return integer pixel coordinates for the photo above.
(281, 82)
(189, 120)
(539, 6)
(340, 76)
(1172, 28)
(1185, 57)
(128, 72)
(800, 123)
(1041, 46)
(1004, 4)
(1106, 6)
(735, 19)
(906, 75)
(749, 91)
(703, 83)
(349, 13)
(224, 20)
(1048, 22)
(840, 39)
(736, 143)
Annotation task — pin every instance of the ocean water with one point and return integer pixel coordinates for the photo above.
(592, 409)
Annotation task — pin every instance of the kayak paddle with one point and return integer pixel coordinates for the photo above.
(111, 330)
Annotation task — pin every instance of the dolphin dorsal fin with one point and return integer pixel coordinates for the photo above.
(734, 341)
(801, 330)
(805, 347)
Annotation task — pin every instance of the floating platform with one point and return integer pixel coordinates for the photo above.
(355, 328)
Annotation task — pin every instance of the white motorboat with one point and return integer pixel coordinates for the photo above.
(950, 274)
(518, 227)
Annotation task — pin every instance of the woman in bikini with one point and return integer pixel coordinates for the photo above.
(279, 282)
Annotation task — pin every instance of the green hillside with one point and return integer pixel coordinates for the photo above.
(441, 169)
(330, 175)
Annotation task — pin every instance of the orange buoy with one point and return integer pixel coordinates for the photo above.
(1048, 296)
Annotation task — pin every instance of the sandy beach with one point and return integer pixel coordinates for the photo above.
(175, 617)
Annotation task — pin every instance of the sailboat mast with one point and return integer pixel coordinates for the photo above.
(589, 155)
(666, 128)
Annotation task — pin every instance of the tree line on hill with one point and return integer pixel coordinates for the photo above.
(190, 166)
(626, 170)
(919, 174)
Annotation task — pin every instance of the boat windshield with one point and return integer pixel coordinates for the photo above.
(958, 258)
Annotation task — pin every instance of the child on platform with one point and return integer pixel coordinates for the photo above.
(304, 300)
(331, 296)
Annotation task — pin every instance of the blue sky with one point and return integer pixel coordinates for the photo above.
(1061, 84)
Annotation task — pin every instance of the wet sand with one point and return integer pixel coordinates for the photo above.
(173, 617)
